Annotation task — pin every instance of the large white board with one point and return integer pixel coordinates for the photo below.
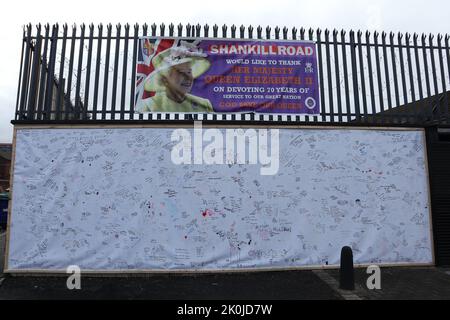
(112, 200)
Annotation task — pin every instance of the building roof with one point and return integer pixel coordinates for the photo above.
(428, 109)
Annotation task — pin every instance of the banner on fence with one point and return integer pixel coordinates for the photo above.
(224, 75)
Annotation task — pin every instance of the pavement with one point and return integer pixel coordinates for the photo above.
(405, 283)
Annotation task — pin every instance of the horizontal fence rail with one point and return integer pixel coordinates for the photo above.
(87, 73)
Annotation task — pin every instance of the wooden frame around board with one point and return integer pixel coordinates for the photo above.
(137, 272)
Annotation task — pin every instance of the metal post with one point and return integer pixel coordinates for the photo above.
(346, 273)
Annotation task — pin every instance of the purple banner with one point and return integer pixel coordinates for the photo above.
(223, 75)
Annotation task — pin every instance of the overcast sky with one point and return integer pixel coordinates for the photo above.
(432, 16)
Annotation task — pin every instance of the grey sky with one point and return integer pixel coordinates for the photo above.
(432, 16)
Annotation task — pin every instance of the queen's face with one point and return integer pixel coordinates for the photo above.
(179, 81)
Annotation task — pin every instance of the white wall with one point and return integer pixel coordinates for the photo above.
(111, 199)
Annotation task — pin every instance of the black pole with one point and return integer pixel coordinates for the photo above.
(346, 273)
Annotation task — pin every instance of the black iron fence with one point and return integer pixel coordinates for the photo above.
(87, 74)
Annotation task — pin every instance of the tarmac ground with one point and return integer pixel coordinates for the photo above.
(405, 283)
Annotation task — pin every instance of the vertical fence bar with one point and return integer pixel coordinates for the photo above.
(414, 114)
(363, 78)
(410, 69)
(268, 35)
(60, 97)
(144, 33)
(48, 105)
(35, 71)
(242, 31)
(321, 82)
(22, 62)
(88, 73)
(277, 32)
(188, 34)
(310, 38)
(425, 61)
(285, 37)
(433, 65)
(302, 37)
(419, 75)
(346, 80)
(115, 73)
(285, 33)
(31, 50)
(133, 71)
(77, 112)
(436, 101)
(250, 36)
(443, 111)
(97, 71)
(233, 35)
(402, 68)
(386, 69)
(250, 32)
(124, 72)
(205, 31)
(68, 102)
(403, 72)
(337, 71)
(417, 60)
(43, 74)
(329, 78)
(394, 69)
(105, 82)
(233, 31)
(26, 73)
(379, 78)
(268, 30)
(294, 37)
(371, 83)
(429, 112)
(294, 33)
(447, 53)
(355, 76)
